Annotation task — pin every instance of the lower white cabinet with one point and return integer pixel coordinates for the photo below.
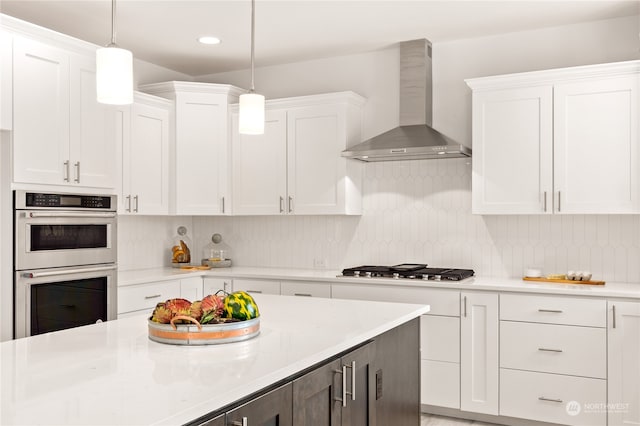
(256, 286)
(553, 398)
(479, 352)
(305, 289)
(139, 298)
(624, 363)
(211, 285)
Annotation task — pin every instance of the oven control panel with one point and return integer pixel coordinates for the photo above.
(66, 201)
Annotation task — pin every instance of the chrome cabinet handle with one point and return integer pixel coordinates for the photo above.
(244, 422)
(302, 294)
(281, 205)
(353, 380)
(290, 204)
(343, 399)
(552, 311)
(542, 398)
(128, 198)
(66, 167)
(254, 291)
(614, 317)
(222, 204)
(154, 296)
(549, 350)
(135, 203)
(465, 306)
(558, 201)
(545, 201)
(77, 178)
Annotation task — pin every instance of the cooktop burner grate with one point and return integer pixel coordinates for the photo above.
(409, 271)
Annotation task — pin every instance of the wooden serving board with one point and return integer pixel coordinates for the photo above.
(556, 281)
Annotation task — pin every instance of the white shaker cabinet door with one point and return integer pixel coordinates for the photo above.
(40, 113)
(316, 171)
(596, 152)
(479, 353)
(260, 167)
(149, 159)
(93, 158)
(202, 157)
(6, 82)
(512, 151)
(624, 363)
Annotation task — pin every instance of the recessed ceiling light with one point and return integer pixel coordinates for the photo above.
(209, 40)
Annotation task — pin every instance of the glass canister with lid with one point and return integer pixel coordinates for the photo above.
(216, 254)
(181, 251)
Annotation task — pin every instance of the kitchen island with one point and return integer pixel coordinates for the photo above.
(112, 374)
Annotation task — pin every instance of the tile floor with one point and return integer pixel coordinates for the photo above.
(433, 420)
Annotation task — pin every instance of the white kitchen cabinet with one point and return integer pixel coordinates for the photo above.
(200, 152)
(142, 133)
(624, 363)
(479, 352)
(557, 141)
(6, 80)
(211, 285)
(61, 133)
(296, 166)
(144, 297)
(305, 289)
(256, 286)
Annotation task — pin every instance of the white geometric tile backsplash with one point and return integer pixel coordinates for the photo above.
(413, 211)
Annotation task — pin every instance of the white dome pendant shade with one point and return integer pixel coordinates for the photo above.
(251, 108)
(251, 115)
(114, 76)
(114, 70)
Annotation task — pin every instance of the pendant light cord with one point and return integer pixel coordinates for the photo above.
(113, 24)
(253, 26)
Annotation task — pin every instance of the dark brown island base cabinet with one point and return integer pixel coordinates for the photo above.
(377, 383)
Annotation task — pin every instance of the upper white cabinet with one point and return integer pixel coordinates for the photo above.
(295, 167)
(557, 141)
(6, 80)
(200, 152)
(61, 133)
(142, 134)
(624, 363)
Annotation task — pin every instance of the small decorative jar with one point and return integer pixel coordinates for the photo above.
(216, 254)
(181, 252)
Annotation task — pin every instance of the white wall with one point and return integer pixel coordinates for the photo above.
(420, 210)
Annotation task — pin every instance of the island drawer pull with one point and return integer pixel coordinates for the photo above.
(549, 350)
(254, 291)
(551, 311)
(244, 422)
(342, 399)
(154, 296)
(302, 294)
(542, 398)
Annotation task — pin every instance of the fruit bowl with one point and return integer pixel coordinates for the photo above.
(203, 334)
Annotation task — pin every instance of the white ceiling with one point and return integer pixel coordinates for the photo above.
(164, 32)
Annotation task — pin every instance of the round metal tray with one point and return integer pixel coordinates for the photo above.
(203, 334)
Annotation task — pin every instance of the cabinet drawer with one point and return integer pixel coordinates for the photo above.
(440, 338)
(553, 398)
(554, 310)
(146, 296)
(440, 384)
(442, 302)
(561, 349)
(309, 289)
(256, 286)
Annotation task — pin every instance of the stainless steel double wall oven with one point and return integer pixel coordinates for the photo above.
(65, 254)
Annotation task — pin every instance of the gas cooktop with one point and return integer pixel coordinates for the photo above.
(409, 271)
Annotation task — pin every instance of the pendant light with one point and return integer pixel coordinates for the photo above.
(114, 70)
(251, 115)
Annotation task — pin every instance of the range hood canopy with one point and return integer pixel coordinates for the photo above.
(414, 139)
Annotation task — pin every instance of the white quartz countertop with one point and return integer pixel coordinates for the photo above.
(610, 289)
(112, 374)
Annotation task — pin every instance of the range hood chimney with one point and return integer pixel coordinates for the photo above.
(414, 139)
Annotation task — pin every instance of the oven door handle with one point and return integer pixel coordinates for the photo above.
(37, 274)
(72, 214)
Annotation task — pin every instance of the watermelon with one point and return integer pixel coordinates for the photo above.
(240, 305)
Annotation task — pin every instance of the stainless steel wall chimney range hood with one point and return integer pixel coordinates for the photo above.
(415, 139)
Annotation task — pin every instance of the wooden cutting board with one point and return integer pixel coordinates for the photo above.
(549, 280)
